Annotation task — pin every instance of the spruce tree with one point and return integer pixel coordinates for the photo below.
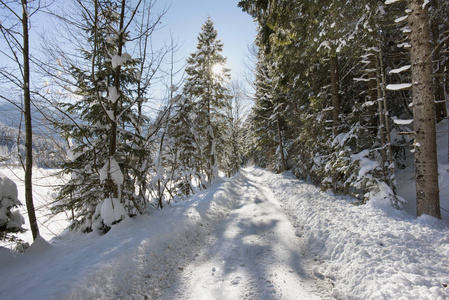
(206, 89)
(182, 154)
(426, 164)
(108, 137)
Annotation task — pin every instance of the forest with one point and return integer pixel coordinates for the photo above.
(345, 89)
(343, 92)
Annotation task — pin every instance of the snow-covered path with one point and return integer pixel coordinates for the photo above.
(235, 241)
(231, 241)
(253, 254)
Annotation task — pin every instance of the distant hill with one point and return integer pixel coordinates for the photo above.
(11, 116)
(48, 149)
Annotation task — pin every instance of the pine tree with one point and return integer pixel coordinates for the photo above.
(109, 136)
(427, 192)
(183, 157)
(234, 136)
(205, 88)
(264, 126)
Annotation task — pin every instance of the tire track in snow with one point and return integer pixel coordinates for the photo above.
(253, 254)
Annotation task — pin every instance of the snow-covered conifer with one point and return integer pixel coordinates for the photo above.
(206, 89)
(108, 140)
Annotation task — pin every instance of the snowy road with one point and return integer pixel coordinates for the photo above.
(253, 254)
(234, 241)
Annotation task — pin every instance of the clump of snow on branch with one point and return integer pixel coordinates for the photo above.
(113, 94)
(118, 60)
(112, 211)
(112, 169)
(399, 70)
(399, 86)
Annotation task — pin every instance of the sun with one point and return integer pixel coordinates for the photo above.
(217, 69)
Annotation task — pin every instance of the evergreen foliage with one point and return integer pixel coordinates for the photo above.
(108, 141)
(321, 75)
(206, 90)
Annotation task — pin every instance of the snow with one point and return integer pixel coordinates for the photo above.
(138, 75)
(371, 251)
(8, 189)
(406, 176)
(324, 44)
(248, 239)
(405, 45)
(39, 246)
(254, 253)
(9, 219)
(400, 19)
(111, 170)
(399, 70)
(112, 211)
(110, 114)
(406, 29)
(403, 122)
(366, 164)
(118, 60)
(44, 183)
(387, 2)
(113, 94)
(399, 86)
(257, 235)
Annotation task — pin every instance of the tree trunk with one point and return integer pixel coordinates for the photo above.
(281, 146)
(210, 140)
(440, 106)
(111, 187)
(382, 131)
(113, 140)
(335, 93)
(427, 192)
(385, 115)
(28, 126)
(373, 96)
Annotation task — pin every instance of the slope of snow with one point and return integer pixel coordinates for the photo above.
(136, 259)
(371, 251)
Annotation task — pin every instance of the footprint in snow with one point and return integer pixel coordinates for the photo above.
(236, 280)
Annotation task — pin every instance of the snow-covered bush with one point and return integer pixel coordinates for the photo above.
(11, 221)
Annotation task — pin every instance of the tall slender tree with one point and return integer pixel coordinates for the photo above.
(206, 88)
(17, 47)
(28, 124)
(426, 166)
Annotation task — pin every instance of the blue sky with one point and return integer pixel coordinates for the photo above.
(235, 28)
(184, 18)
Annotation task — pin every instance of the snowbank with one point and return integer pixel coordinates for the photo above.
(44, 183)
(371, 251)
(10, 220)
(137, 259)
